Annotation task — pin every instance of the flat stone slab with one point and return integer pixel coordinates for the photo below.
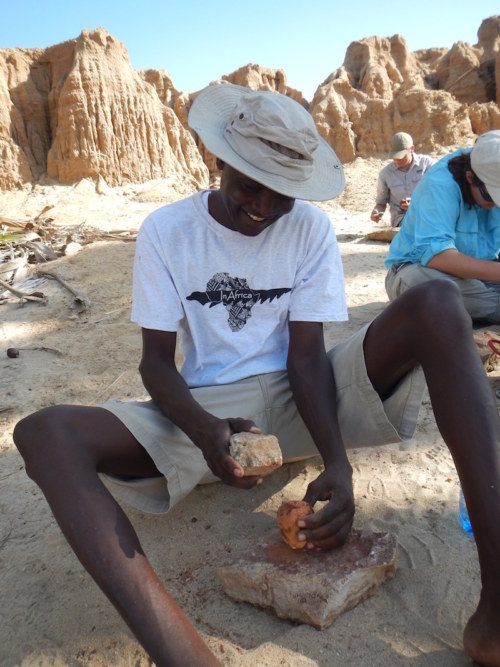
(312, 587)
(385, 235)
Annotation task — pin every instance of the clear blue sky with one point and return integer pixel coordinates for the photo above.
(197, 41)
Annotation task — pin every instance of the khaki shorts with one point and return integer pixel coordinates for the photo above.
(267, 400)
(481, 299)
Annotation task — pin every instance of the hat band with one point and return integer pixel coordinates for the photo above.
(261, 155)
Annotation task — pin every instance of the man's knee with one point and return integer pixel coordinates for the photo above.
(36, 436)
(437, 302)
(440, 290)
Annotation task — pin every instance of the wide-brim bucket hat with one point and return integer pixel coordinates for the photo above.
(270, 138)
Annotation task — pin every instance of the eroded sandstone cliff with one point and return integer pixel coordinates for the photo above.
(443, 97)
(79, 110)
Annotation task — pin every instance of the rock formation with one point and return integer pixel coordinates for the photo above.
(79, 110)
(24, 130)
(264, 78)
(442, 97)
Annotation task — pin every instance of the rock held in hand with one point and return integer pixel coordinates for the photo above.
(257, 454)
(288, 514)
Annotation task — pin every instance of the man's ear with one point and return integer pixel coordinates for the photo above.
(469, 176)
(219, 163)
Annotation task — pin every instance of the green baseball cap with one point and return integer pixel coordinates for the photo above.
(401, 143)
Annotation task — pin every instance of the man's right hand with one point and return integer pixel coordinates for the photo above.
(376, 215)
(171, 394)
(214, 445)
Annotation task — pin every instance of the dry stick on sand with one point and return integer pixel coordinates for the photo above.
(81, 301)
(103, 391)
(38, 348)
(24, 296)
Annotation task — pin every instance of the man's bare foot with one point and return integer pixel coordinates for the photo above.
(482, 636)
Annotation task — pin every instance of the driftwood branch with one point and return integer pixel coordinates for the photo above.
(42, 348)
(81, 301)
(24, 296)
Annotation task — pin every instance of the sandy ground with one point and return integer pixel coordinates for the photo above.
(52, 614)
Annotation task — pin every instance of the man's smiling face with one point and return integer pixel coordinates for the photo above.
(245, 206)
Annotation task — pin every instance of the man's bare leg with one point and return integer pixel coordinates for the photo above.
(428, 325)
(63, 448)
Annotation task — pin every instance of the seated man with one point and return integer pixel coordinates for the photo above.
(452, 230)
(243, 277)
(398, 179)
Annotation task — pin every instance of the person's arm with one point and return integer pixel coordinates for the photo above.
(431, 221)
(463, 266)
(171, 394)
(376, 214)
(313, 388)
(428, 162)
(381, 200)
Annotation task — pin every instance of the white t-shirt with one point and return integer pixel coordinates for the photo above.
(230, 296)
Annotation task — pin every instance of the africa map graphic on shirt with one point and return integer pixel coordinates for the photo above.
(237, 297)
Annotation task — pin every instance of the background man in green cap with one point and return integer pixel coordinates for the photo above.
(398, 179)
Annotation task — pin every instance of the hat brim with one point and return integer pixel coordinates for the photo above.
(398, 155)
(209, 116)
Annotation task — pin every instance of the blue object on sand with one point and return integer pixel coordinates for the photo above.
(463, 514)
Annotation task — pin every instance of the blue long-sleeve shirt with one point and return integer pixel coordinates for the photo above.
(438, 219)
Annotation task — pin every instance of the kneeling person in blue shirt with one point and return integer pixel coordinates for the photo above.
(452, 230)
